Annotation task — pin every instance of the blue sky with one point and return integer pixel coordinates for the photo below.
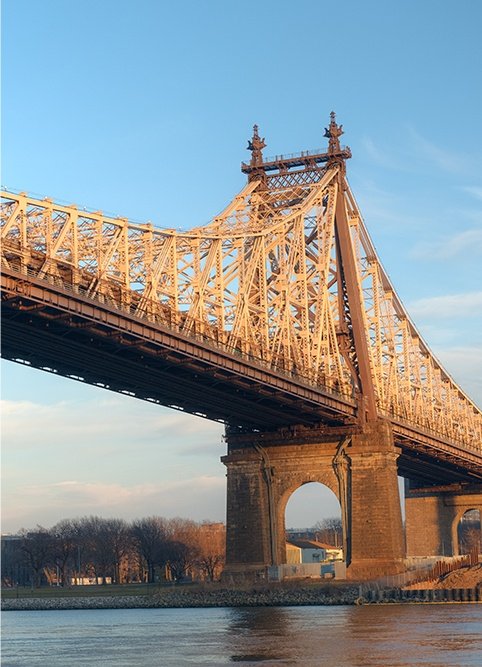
(144, 110)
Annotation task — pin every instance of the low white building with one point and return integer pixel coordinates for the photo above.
(304, 551)
(311, 551)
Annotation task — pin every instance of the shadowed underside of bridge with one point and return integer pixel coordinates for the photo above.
(276, 319)
(53, 330)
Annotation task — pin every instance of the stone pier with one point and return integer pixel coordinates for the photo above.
(263, 472)
(432, 517)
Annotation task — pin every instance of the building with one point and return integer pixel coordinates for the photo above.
(304, 551)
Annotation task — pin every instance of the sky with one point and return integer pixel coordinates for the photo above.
(144, 110)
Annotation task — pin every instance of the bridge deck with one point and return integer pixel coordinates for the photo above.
(66, 332)
(51, 327)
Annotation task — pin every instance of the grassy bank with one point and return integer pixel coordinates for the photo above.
(112, 590)
(122, 590)
(165, 589)
(181, 596)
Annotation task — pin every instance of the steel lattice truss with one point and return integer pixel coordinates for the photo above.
(263, 279)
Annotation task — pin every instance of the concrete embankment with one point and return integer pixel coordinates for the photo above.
(184, 598)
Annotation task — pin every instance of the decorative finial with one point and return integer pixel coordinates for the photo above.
(256, 146)
(333, 132)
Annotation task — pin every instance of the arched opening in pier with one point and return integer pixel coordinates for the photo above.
(469, 533)
(313, 523)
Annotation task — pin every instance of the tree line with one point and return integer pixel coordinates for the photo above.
(93, 549)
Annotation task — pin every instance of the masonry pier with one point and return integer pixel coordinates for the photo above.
(433, 514)
(264, 469)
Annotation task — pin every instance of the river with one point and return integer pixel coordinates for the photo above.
(340, 636)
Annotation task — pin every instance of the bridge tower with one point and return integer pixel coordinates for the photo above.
(357, 462)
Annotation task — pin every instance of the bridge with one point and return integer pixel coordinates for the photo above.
(276, 319)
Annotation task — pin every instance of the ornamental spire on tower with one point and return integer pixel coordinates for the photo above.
(256, 145)
(333, 132)
(304, 168)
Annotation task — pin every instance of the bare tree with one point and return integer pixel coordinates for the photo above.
(183, 548)
(36, 547)
(329, 531)
(211, 539)
(104, 548)
(107, 542)
(14, 568)
(469, 533)
(180, 557)
(118, 536)
(63, 536)
(83, 546)
(150, 537)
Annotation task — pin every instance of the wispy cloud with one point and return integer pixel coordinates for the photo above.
(474, 190)
(198, 498)
(382, 157)
(419, 147)
(452, 305)
(465, 365)
(26, 423)
(469, 241)
(378, 204)
(441, 158)
(117, 456)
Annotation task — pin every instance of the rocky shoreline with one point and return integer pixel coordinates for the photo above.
(182, 599)
(263, 597)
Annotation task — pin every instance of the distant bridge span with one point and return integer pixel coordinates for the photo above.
(276, 319)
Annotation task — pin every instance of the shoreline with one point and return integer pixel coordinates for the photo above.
(349, 595)
(187, 599)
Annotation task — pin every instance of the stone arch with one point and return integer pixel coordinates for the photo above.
(432, 519)
(291, 486)
(264, 469)
(458, 538)
(318, 488)
(289, 483)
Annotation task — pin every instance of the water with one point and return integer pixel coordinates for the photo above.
(369, 636)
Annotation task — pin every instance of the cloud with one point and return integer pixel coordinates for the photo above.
(209, 448)
(469, 241)
(27, 425)
(464, 364)
(198, 498)
(381, 157)
(440, 158)
(474, 190)
(118, 456)
(448, 306)
(377, 204)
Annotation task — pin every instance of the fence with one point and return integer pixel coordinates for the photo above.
(441, 568)
(418, 572)
(328, 570)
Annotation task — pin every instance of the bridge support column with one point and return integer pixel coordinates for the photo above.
(375, 546)
(432, 516)
(250, 520)
(262, 475)
(360, 469)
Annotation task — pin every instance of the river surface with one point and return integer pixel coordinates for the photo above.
(367, 636)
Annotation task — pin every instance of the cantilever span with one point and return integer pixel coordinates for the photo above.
(278, 312)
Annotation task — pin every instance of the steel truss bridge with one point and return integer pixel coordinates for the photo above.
(277, 315)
